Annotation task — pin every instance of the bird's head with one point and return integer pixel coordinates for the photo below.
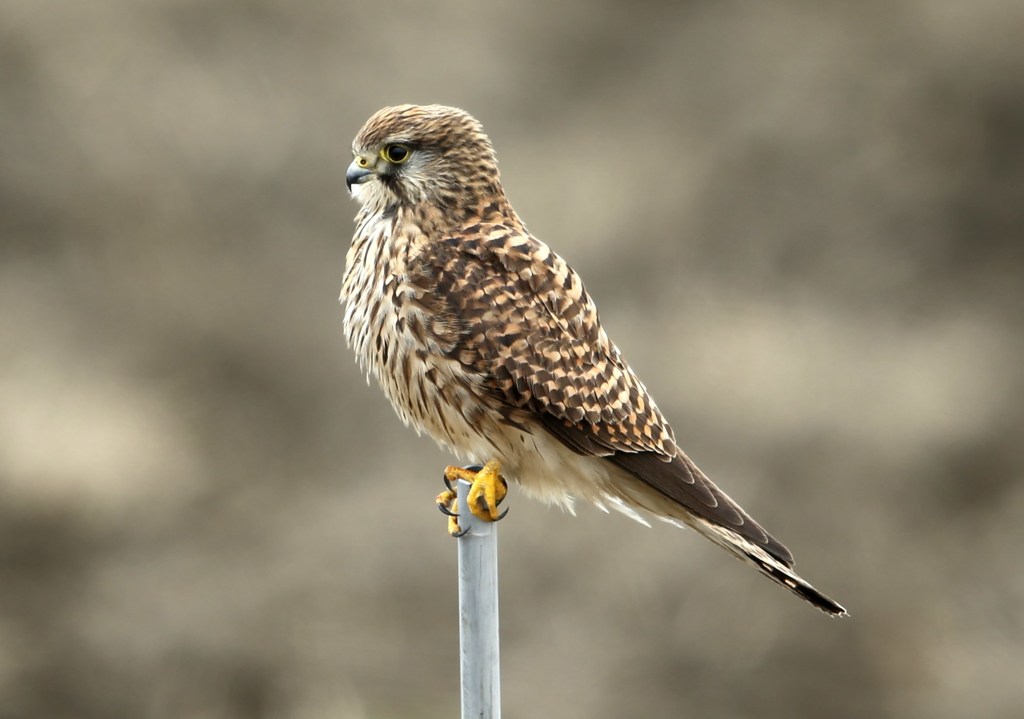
(415, 154)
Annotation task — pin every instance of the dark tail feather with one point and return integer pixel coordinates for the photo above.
(787, 578)
(712, 513)
(769, 565)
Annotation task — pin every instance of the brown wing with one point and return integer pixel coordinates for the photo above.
(529, 330)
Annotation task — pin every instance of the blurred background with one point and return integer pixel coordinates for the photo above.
(803, 225)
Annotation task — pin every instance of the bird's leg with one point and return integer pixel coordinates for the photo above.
(488, 488)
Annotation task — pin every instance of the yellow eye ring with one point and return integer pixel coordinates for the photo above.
(395, 154)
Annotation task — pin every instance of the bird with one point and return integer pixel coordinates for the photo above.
(485, 339)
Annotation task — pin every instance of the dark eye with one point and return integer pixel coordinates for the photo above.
(395, 154)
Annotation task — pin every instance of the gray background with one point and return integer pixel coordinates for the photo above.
(802, 223)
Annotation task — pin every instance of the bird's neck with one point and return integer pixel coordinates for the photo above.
(442, 215)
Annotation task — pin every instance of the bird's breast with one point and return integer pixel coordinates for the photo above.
(399, 339)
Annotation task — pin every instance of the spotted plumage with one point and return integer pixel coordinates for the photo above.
(485, 339)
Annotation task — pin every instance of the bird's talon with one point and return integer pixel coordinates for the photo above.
(502, 515)
(488, 489)
(448, 502)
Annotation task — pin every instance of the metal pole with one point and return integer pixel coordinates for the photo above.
(478, 614)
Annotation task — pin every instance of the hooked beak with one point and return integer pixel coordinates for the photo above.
(357, 174)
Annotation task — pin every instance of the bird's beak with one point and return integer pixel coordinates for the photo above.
(358, 172)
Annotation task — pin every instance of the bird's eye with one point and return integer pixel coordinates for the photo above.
(395, 154)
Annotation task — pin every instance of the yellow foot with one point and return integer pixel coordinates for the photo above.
(486, 493)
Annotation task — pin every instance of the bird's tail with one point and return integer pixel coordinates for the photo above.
(678, 492)
(770, 566)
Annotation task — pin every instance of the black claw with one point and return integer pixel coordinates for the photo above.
(444, 510)
(501, 516)
(461, 533)
(475, 467)
(447, 482)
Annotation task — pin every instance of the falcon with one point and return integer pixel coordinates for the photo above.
(484, 338)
